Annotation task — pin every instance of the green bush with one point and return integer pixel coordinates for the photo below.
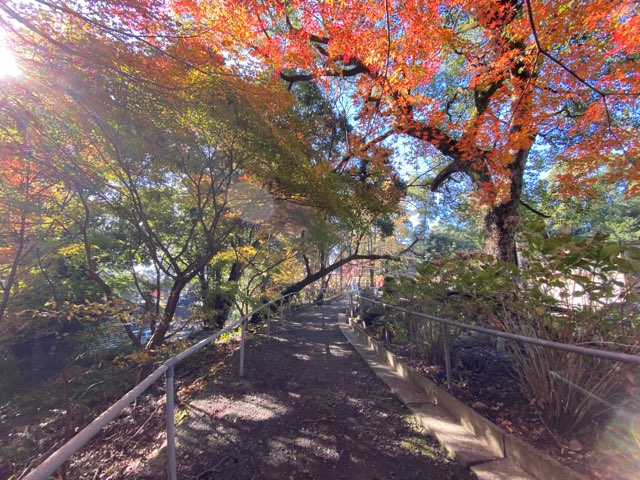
(579, 292)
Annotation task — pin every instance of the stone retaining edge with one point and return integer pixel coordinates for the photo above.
(525, 456)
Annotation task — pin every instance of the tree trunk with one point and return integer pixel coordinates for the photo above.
(501, 221)
(157, 339)
(500, 228)
(179, 282)
(324, 284)
(222, 302)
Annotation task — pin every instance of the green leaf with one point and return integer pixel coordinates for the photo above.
(609, 251)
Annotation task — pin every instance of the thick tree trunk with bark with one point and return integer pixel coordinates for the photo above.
(502, 221)
(500, 229)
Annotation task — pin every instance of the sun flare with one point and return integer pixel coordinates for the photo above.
(8, 64)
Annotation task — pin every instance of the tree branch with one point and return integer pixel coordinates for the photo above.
(362, 149)
(357, 69)
(309, 279)
(444, 174)
(531, 209)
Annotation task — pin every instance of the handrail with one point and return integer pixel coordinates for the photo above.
(62, 454)
(606, 354)
(594, 352)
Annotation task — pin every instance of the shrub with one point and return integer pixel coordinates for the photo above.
(579, 292)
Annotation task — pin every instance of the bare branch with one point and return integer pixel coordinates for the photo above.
(531, 209)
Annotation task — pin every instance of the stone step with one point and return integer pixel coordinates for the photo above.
(459, 441)
(503, 469)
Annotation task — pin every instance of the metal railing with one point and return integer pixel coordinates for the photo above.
(56, 459)
(445, 323)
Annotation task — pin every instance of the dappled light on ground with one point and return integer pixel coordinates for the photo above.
(619, 446)
(306, 408)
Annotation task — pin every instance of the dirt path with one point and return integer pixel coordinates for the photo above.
(308, 408)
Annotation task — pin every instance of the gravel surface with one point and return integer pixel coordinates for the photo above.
(307, 408)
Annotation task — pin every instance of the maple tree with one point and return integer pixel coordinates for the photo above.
(479, 85)
(27, 195)
(16, 204)
(154, 154)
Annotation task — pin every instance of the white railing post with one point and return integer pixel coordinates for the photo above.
(386, 330)
(269, 323)
(172, 468)
(243, 327)
(447, 352)
(350, 304)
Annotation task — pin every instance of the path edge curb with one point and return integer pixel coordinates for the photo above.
(527, 457)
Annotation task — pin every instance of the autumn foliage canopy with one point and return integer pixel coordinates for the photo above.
(477, 81)
(481, 86)
(480, 89)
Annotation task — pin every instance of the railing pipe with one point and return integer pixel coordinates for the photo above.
(616, 356)
(243, 327)
(57, 458)
(384, 325)
(203, 343)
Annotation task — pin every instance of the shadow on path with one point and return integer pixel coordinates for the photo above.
(307, 408)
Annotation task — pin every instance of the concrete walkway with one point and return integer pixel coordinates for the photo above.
(308, 408)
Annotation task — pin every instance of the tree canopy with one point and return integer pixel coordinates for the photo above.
(479, 86)
(132, 153)
(139, 129)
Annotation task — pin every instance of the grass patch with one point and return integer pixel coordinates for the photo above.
(421, 445)
(393, 407)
